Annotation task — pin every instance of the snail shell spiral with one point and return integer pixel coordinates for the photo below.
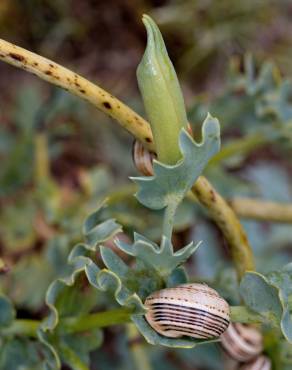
(259, 363)
(242, 342)
(194, 310)
(143, 159)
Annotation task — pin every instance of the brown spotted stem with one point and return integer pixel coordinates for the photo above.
(229, 224)
(262, 210)
(77, 85)
(54, 73)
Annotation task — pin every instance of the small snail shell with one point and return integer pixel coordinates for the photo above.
(142, 159)
(259, 363)
(242, 342)
(194, 310)
(111, 243)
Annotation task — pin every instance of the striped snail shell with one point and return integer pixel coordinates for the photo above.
(242, 342)
(259, 363)
(194, 310)
(142, 159)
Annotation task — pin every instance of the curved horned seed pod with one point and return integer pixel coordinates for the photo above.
(194, 310)
(142, 158)
(259, 363)
(242, 342)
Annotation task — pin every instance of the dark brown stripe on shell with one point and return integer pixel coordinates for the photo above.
(198, 290)
(207, 325)
(194, 323)
(185, 309)
(188, 331)
(232, 349)
(191, 315)
(237, 342)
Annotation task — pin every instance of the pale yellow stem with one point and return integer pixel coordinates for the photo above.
(52, 72)
(262, 210)
(42, 162)
(229, 224)
(137, 348)
(240, 146)
(77, 85)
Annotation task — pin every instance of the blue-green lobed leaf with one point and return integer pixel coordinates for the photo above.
(261, 297)
(155, 267)
(170, 183)
(20, 353)
(64, 299)
(161, 258)
(269, 296)
(277, 103)
(97, 230)
(7, 311)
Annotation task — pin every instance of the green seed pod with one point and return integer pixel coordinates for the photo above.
(162, 95)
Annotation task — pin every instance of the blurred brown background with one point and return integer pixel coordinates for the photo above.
(104, 40)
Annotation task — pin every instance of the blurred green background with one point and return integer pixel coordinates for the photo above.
(233, 58)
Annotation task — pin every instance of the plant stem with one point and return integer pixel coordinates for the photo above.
(243, 315)
(117, 316)
(229, 224)
(72, 324)
(140, 358)
(168, 220)
(42, 164)
(240, 146)
(257, 209)
(22, 327)
(77, 85)
(122, 193)
(71, 358)
(219, 210)
(96, 320)
(262, 210)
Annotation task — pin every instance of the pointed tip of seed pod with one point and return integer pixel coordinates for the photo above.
(147, 20)
(154, 36)
(146, 17)
(161, 93)
(149, 24)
